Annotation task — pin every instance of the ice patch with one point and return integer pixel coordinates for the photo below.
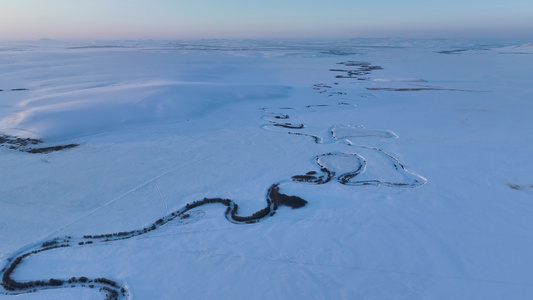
(341, 163)
(344, 132)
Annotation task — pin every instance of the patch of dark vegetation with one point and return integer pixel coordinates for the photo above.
(106, 281)
(51, 149)
(338, 52)
(11, 285)
(289, 125)
(515, 187)
(322, 85)
(49, 243)
(278, 116)
(457, 51)
(279, 199)
(317, 105)
(225, 202)
(345, 178)
(317, 139)
(18, 141)
(519, 187)
(114, 235)
(111, 294)
(304, 178)
(352, 77)
(20, 89)
(25, 144)
(56, 282)
(337, 94)
(363, 69)
(353, 63)
(252, 218)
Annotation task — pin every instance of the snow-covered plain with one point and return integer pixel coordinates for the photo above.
(427, 143)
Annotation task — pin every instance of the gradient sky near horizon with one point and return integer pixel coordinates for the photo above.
(162, 19)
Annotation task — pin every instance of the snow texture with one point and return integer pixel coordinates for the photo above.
(361, 169)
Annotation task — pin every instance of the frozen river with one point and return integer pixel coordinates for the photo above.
(361, 169)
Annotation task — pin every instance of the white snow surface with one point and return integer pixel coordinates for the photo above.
(442, 207)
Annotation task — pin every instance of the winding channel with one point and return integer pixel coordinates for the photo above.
(115, 290)
(343, 168)
(351, 165)
(111, 288)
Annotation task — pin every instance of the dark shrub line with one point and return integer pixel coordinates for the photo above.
(317, 139)
(274, 199)
(23, 144)
(50, 149)
(289, 125)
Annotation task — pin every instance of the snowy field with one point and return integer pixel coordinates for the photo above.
(413, 159)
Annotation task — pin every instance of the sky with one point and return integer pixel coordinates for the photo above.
(170, 19)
